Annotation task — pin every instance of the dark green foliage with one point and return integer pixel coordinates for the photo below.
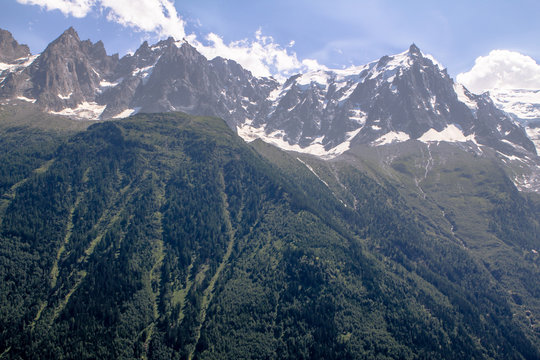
(165, 236)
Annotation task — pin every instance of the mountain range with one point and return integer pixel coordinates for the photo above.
(400, 97)
(380, 211)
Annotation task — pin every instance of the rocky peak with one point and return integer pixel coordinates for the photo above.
(68, 39)
(144, 56)
(142, 52)
(70, 32)
(414, 50)
(10, 49)
(66, 74)
(403, 93)
(383, 61)
(143, 48)
(162, 47)
(96, 50)
(168, 42)
(230, 69)
(189, 52)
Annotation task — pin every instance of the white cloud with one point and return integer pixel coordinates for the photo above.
(262, 56)
(158, 16)
(502, 69)
(76, 8)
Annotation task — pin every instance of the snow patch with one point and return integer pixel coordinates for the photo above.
(274, 95)
(144, 72)
(105, 83)
(23, 98)
(391, 137)
(434, 61)
(18, 64)
(534, 135)
(350, 73)
(126, 113)
(388, 71)
(346, 145)
(511, 157)
(320, 78)
(85, 110)
(277, 138)
(515, 146)
(449, 134)
(9, 67)
(65, 97)
(358, 115)
(28, 61)
(433, 102)
(348, 92)
(465, 98)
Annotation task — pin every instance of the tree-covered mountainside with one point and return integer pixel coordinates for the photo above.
(478, 231)
(166, 236)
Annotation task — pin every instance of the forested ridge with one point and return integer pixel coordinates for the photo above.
(166, 236)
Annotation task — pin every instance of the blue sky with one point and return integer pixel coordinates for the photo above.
(335, 34)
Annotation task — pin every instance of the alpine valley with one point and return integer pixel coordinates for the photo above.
(166, 206)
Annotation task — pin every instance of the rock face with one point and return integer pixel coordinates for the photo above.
(68, 73)
(397, 98)
(173, 76)
(77, 78)
(400, 97)
(10, 49)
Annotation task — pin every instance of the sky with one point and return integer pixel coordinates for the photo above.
(482, 43)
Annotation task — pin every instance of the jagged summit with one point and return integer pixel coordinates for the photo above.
(10, 49)
(67, 34)
(414, 50)
(395, 98)
(68, 40)
(401, 97)
(66, 75)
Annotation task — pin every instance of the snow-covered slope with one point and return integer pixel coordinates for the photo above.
(533, 131)
(522, 104)
(408, 96)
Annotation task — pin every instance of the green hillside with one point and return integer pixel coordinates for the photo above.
(166, 236)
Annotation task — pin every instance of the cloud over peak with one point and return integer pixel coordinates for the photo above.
(502, 69)
(261, 55)
(156, 16)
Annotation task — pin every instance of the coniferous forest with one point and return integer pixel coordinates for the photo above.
(166, 236)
